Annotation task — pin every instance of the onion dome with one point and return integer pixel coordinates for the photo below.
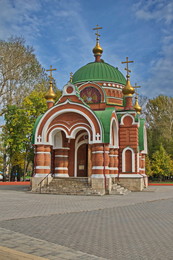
(137, 106)
(128, 90)
(50, 95)
(98, 71)
(97, 50)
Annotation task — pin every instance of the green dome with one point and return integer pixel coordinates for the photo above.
(98, 71)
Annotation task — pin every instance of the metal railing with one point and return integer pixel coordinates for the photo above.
(46, 177)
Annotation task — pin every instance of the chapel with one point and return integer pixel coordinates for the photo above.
(93, 135)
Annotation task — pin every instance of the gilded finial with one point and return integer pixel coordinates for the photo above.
(128, 90)
(137, 107)
(71, 76)
(50, 95)
(97, 50)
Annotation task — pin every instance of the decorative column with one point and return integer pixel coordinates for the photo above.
(97, 161)
(42, 160)
(61, 162)
(100, 168)
(113, 162)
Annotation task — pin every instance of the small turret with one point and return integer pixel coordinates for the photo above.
(50, 95)
(97, 50)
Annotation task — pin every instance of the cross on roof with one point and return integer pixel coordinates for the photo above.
(127, 68)
(97, 33)
(135, 87)
(71, 76)
(50, 76)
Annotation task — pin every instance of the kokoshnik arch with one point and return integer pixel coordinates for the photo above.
(94, 130)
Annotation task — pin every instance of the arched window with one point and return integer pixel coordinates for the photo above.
(114, 134)
(57, 140)
(128, 160)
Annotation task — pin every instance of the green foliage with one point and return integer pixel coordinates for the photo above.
(161, 165)
(148, 166)
(159, 116)
(17, 132)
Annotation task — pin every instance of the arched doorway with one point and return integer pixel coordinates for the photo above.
(82, 160)
(128, 161)
(81, 154)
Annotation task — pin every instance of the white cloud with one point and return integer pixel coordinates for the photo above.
(161, 76)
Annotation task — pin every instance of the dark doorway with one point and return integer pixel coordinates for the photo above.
(82, 161)
(128, 156)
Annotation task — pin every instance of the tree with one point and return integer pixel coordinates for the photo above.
(17, 132)
(161, 165)
(159, 116)
(19, 71)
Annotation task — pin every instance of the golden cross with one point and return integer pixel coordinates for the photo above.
(135, 87)
(71, 76)
(50, 76)
(97, 33)
(127, 68)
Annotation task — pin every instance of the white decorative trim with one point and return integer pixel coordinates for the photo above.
(98, 176)
(137, 162)
(65, 93)
(145, 151)
(112, 175)
(42, 167)
(61, 175)
(64, 148)
(61, 168)
(124, 161)
(133, 119)
(142, 169)
(113, 168)
(95, 152)
(42, 153)
(129, 176)
(62, 111)
(113, 155)
(115, 126)
(114, 88)
(114, 97)
(64, 156)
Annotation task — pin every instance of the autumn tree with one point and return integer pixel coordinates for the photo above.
(161, 164)
(20, 71)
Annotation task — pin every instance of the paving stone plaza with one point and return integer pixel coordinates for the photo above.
(43, 226)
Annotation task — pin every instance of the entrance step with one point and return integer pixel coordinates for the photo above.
(118, 190)
(70, 186)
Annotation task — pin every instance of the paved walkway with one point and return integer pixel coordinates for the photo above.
(136, 226)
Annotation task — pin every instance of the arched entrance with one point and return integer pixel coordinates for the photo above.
(128, 161)
(81, 154)
(82, 161)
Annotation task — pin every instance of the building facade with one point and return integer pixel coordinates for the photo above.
(94, 131)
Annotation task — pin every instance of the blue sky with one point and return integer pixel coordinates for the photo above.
(61, 33)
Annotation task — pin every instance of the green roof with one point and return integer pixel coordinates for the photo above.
(98, 71)
(104, 117)
(35, 126)
(141, 134)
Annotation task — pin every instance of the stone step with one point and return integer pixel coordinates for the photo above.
(70, 186)
(118, 190)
